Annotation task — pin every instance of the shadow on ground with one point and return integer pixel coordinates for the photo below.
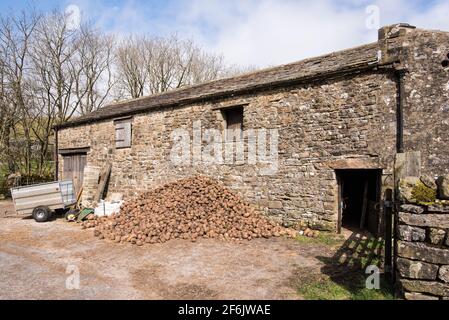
(344, 274)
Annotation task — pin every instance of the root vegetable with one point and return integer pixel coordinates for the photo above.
(188, 209)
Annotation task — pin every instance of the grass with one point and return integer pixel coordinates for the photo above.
(3, 169)
(372, 254)
(342, 276)
(352, 253)
(3, 172)
(349, 287)
(361, 253)
(324, 289)
(325, 238)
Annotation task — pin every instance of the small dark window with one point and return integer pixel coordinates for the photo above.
(445, 63)
(234, 118)
(123, 133)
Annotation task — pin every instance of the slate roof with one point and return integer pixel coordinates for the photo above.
(307, 70)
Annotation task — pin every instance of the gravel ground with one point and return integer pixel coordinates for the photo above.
(37, 261)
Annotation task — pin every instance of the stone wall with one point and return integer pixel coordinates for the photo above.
(90, 185)
(322, 127)
(344, 122)
(426, 84)
(422, 262)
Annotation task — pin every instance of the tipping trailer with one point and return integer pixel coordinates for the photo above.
(41, 200)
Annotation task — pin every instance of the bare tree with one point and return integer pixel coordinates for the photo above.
(6, 116)
(93, 69)
(155, 65)
(132, 59)
(54, 52)
(50, 73)
(15, 39)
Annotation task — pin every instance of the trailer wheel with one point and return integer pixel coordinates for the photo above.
(71, 215)
(41, 214)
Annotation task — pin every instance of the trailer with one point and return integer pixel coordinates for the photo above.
(41, 200)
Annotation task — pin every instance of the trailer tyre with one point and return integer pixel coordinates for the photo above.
(71, 215)
(41, 214)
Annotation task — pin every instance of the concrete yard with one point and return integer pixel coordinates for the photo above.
(38, 260)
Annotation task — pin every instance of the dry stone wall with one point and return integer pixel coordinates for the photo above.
(422, 262)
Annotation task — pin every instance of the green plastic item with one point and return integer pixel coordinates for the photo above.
(84, 213)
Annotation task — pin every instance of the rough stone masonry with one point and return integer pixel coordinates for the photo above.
(353, 109)
(422, 262)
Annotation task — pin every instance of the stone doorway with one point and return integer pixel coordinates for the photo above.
(73, 169)
(359, 199)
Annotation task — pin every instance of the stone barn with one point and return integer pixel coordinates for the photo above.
(336, 123)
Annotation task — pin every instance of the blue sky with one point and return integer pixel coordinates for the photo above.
(254, 32)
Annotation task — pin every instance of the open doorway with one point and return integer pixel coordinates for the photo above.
(359, 193)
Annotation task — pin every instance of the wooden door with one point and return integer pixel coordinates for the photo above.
(234, 118)
(74, 169)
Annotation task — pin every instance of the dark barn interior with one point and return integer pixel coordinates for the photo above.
(359, 199)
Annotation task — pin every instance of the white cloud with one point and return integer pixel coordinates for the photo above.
(121, 18)
(273, 32)
(269, 32)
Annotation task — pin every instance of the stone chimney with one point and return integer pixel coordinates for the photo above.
(395, 30)
(391, 43)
